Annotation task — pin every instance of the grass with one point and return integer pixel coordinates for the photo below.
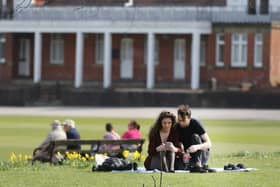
(254, 143)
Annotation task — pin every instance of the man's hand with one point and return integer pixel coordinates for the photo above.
(193, 148)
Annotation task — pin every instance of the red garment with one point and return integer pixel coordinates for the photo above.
(132, 134)
(155, 141)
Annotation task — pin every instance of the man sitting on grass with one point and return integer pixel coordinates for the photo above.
(195, 140)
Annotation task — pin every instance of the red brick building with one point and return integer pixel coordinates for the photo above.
(151, 43)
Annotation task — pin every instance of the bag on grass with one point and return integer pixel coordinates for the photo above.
(114, 163)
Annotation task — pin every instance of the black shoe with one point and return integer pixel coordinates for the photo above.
(241, 166)
(231, 167)
(210, 170)
(197, 169)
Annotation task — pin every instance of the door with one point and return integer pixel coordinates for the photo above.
(24, 58)
(179, 58)
(126, 58)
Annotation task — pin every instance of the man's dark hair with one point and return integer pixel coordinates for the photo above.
(109, 127)
(183, 111)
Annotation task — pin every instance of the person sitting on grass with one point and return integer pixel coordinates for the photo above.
(194, 139)
(42, 152)
(164, 144)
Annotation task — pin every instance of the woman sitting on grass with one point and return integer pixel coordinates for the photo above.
(163, 144)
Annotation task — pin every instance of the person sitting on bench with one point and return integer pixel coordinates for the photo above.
(71, 133)
(42, 152)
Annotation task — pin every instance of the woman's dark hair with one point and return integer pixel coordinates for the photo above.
(109, 127)
(183, 111)
(135, 125)
(157, 125)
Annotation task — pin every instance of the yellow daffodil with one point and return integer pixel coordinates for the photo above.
(125, 153)
(142, 158)
(136, 155)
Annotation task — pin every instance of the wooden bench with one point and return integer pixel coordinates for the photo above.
(93, 146)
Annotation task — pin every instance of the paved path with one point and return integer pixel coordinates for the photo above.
(140, 112)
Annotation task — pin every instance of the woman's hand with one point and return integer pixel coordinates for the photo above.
(161, 147)
(170, 147)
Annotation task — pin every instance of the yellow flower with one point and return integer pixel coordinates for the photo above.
(59, 154)
(143, 158)
(87, 155)
(136, 155)
(92, 158)
(125, 153)
(20, 157)
(13, 156)
(26, 157)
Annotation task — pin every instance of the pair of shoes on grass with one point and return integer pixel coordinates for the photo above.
(204, 169)
(198, 169)
(209, 170)
(234, 167)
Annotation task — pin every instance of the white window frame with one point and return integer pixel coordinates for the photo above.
(258, 50)
(240, 41)
(99, 49)
(202, 52)
(57, 44)
(220, 41)
(156, 50)
(2, 43)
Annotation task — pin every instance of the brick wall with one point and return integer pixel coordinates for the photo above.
(6, 68)
(91, 70)
(229, 75)
(65, 71)
(163, 71)
(275, 56)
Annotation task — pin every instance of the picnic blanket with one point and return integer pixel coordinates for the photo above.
(218, 170)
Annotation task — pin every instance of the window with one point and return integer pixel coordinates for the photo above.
(99, 49)
(264, 6)
(2, 48)
(57, 49)
(251, 6)
(258, 6)
(258, 52)
(220, 48)
(239, 50)
(180, 50)
(202, 51)
(156, 48)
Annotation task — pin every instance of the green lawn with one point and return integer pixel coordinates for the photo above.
(254, 143)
